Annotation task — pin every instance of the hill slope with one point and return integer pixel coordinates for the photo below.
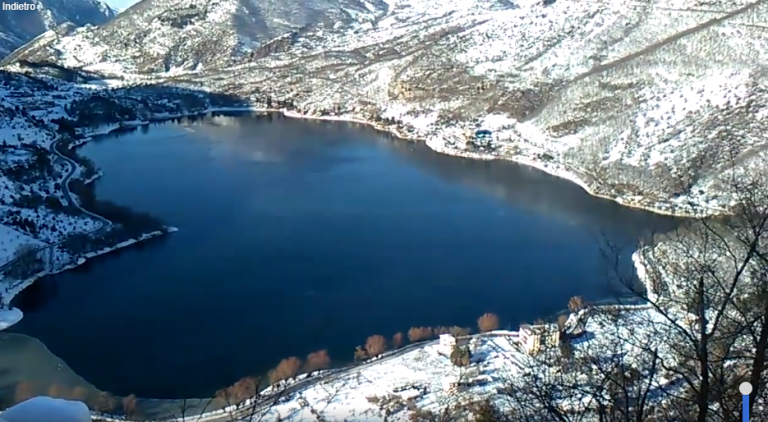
(18, 27)
(161, 35)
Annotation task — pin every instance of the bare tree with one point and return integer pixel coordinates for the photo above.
(607, 381)
(243, 401)
(226, 401)
(287, 368)
(105, 402)
(24, 390)
(460, 355)
(710, 319)
(317, 360)
(397, 340)
(420, 333)
(488, 322)
(238, 393)
(244, 389)
(708, 284)
(80, 393)
(375, 345)
(130, 406)
(58, 391)
(575, 304)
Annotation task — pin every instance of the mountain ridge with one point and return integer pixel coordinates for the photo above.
(163, 35)
(21, 26)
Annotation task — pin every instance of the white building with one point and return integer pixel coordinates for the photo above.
(447, 343)
(534, 337)
(474, 344)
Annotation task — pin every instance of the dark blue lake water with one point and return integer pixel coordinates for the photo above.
(297, 236)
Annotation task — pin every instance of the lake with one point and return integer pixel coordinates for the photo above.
(296, 236)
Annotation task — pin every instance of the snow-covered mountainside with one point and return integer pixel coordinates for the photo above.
(160, 35)
(653, 102)
(17, 27)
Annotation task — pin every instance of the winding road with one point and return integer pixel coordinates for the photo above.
(73, 166)
(67, 195)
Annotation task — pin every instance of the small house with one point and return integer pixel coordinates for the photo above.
(447, 343)
(483, 135)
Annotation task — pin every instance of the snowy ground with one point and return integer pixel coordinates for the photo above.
(39, 409)
(420, 376)
(26, 112)
(9, 317)
(10, 240)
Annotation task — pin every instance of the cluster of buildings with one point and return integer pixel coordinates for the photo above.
(532, 339)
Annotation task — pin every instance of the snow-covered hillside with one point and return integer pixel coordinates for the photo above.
(425, 379)
(165, 35)
(652, 102)
(9, 316)
(17, 27)
(28, 173)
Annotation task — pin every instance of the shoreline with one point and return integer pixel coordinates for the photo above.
(19, 286)
(557, 170)
(12, 289)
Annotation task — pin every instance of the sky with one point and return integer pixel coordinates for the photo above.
(120, 4)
